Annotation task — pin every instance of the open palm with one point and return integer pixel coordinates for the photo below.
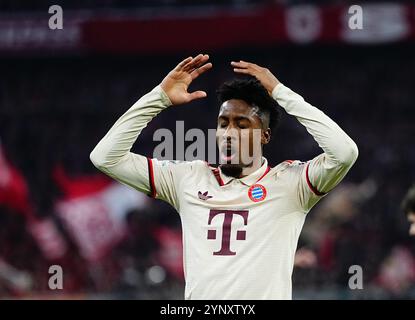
(177, 82)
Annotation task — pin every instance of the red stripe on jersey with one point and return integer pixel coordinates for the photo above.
(289, 161)
(315, 191)
(266, 171)
(151, 178)
(217, 176)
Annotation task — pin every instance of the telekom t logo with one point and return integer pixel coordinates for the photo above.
(225, 249)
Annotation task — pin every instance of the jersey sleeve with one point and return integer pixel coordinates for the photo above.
(321, 174)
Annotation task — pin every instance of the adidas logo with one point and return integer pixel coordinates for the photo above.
(203, 196)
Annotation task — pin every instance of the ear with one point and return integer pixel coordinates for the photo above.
(266, 136)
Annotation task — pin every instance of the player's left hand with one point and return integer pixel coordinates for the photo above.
(267, 79)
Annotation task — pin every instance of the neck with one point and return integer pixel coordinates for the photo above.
(256, 164)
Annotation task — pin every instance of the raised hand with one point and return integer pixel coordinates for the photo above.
(267, 79)
(177, 82)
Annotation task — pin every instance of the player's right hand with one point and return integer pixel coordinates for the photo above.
(177, 82)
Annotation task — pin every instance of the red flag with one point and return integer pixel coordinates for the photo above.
(13, 188)
(93, 211)
(14, 194)
(48, 238)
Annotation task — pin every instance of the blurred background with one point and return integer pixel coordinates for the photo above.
(61, 90)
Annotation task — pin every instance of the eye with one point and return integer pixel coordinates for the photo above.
(243, 125)
(223, 125)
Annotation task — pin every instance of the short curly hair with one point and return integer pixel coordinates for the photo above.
(254, 93)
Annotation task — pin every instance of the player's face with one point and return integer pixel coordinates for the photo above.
(239, 133)
(411, 219)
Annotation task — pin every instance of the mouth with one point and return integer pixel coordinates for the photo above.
(227, 153)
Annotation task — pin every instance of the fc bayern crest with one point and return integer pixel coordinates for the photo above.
(257, 192)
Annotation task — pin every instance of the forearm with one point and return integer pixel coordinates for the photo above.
(337, 145)
(117, 143)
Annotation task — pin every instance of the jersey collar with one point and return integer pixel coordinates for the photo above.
(251, 178)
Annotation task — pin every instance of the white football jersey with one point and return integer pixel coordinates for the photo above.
(239, 235)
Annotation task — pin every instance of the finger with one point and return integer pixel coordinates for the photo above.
(239, 64)
(183, 63)
(197, 95)
(189, 63)
(197, 72)
(247, 63)
(199, 62)
(244, 71)
(250, 65)
(242, 63)
(193, 63)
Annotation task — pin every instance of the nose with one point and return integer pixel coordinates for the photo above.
(230, 133)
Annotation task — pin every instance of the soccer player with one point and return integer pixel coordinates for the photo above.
(241, 222)
(408, 207)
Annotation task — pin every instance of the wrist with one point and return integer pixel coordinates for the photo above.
(272, 86)
(276, 90)
(164, 96)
